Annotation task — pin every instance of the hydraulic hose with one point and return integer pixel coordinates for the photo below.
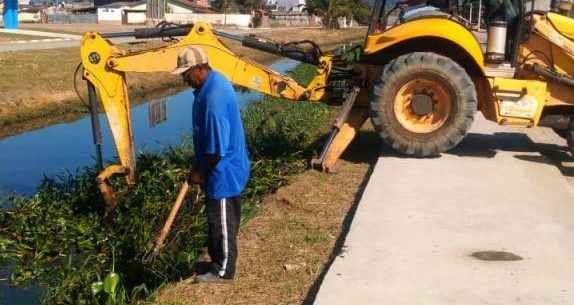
(288, 50)
(550, 74)
(157, 32)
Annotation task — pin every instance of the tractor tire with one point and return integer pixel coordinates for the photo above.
(423, 104)
(563, 133)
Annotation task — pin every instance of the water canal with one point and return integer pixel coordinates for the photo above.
(64, 148)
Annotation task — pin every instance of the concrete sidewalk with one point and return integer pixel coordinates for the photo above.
(420, 220)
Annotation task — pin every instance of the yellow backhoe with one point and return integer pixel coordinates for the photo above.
(420, 78)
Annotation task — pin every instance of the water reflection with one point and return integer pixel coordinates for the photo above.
(157, 112)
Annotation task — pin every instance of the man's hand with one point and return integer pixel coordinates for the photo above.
(194, 177)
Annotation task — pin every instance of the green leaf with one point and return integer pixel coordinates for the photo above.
(97, 287)
(111, 283)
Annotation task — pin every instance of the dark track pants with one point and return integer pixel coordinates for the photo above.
(223, 218)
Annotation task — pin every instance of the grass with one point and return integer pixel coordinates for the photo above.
(286, 248)
(36, 88)
(76, 248)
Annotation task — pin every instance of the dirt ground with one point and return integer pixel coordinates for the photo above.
(285, 250)
(37, 87)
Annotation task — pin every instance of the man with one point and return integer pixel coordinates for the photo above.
(222, 164)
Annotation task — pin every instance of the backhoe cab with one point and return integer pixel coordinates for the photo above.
(421, 77)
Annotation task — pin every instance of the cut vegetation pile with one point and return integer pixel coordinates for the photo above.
(58, 239)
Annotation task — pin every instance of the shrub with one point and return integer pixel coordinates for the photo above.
(256, 20)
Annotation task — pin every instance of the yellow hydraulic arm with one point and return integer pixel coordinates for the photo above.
(105, 66)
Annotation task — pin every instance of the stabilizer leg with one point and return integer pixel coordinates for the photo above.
(346, 126)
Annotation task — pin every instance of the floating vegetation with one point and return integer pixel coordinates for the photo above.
(59, 240)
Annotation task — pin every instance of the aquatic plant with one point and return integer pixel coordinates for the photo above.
(58, 238)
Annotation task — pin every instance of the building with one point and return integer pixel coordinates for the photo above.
(113, 12)
(21, 3)
(129, 12)
(202, 3)
(100, 3)
(290, 5)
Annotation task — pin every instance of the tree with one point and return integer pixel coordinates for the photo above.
(331, 10)
(245, 6)
(250, 5)
(220, 6)
(362, 11)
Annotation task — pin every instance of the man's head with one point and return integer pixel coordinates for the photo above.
(192, 65)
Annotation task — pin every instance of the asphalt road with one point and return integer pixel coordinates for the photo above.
(45, 44)
(420, 221)
(57, 41)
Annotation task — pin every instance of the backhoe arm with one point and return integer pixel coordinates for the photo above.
(105, 66)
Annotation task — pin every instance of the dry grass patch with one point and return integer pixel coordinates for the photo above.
(285, 249)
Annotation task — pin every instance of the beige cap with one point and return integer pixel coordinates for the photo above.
(189, 57)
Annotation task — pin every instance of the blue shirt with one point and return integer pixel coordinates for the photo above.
(217, 129)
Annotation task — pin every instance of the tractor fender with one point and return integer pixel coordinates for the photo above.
(428, 34)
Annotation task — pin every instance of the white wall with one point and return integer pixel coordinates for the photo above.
(230, 19)
(109, 14)
(136, 17)
(142, 6)
(29, 17)
(542, 5)
(176, 9)
(24, 17)
(173, 7)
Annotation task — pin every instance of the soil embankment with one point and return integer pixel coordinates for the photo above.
(37, 87)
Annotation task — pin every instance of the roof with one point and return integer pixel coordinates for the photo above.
(112, 3)
(183, 3)
(123, 4)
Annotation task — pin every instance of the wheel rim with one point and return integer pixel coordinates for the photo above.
(422, 105)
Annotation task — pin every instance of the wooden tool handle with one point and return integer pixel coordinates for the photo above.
(169, 222)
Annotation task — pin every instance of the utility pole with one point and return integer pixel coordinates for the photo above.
(470, 15)
(224, 12)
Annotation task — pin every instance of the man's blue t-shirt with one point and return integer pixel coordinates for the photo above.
(217, 129)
